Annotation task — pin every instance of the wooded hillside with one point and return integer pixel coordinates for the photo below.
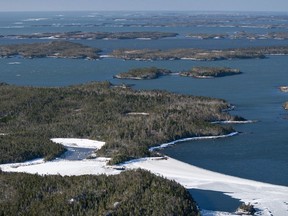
(31, 116)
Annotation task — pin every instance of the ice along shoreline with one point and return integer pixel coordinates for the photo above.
(267, 198)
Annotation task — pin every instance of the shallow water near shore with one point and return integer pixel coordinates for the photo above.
(215, 201)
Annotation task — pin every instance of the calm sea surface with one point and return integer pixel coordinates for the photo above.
(259, 152)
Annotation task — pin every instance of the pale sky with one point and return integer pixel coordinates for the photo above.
(142, 5)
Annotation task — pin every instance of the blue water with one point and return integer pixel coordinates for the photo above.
(215, 201)
(259, 152)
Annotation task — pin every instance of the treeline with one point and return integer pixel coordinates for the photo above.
(25, 146)
(143, 194)
(101, 111)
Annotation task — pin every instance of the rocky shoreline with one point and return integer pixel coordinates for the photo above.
(285, 105)
(283, 88)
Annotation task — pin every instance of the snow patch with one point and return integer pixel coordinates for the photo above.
(79, 143)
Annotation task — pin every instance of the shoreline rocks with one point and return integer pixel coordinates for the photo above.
(285, 105)
(283, 88)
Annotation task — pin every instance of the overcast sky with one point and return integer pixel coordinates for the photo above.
(141, 5)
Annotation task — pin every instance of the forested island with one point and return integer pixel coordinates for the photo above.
(54, 49)
(79, 35)
(199, 54)
(67, 49)
(209, 72)
(143, 73)
(241, 35)
(196, 72)
(144, 194)
(31, 116)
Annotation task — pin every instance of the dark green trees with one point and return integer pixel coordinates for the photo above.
(129, 193)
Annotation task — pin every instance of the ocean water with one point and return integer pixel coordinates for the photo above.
(259, 152)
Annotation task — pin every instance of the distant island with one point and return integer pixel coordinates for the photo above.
(143, 73)
(196, 72)
(199, 54)
(54, 49)
(241, 35)
(67, 49)
(79, 35)
(210, 72)
(206, 36)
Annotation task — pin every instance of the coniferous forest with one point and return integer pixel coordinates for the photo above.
(145, 194)
(128, 121)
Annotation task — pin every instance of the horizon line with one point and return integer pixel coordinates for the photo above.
(160, 10)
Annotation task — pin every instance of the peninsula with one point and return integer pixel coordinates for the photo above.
(54, 49)
(210, 72)
(31, 116)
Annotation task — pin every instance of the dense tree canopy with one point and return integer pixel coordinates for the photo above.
(128, 121)
(129, 193)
